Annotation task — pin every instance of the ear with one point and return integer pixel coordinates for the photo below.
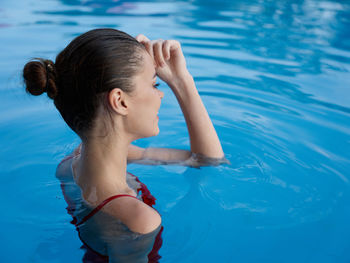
(117, 100)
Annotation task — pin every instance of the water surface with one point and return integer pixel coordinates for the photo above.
(274, 76)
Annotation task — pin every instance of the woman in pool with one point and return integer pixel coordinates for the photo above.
(104, 86)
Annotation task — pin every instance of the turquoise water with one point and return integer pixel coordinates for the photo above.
(275, 78)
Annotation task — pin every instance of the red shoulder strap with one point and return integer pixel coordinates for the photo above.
(146, 196)
(99, 207)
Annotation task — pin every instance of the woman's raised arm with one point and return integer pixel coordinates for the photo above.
(203, 137)
(171, 68)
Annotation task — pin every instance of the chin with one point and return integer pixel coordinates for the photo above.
(151, 134)
(155, 133)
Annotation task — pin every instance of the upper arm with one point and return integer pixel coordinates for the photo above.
(136, 215)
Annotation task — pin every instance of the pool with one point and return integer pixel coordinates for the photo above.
(275, 78)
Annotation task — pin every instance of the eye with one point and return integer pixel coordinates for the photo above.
(156, 85)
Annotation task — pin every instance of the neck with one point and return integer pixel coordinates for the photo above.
(101, 168)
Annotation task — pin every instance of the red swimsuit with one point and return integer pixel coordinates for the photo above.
(94, 256)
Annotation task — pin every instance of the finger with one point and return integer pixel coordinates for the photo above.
(158, 53)
(142, 38)
(166, 49)
(171, 47)
(174, 45)
(146, 43)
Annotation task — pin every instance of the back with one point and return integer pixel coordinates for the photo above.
(102, 233)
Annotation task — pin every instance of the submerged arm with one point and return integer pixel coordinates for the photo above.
(158, 156)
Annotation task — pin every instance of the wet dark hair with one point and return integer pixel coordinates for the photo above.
(93, 64)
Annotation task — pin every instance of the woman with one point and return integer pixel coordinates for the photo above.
(104, 85)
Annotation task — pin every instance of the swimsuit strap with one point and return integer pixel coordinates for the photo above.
(99, 207)
(65, 159)
(146, 196)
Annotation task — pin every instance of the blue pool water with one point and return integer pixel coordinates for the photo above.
(275, 78)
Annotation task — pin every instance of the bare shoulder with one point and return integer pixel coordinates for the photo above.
(135, 214)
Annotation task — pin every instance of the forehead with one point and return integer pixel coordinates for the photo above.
(146, 73)
(148, 64)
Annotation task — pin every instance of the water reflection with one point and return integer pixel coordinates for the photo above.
(281, 43)
(112, 8)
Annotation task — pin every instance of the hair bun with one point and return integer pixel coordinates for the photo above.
(40, 76)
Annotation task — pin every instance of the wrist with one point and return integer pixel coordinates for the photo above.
(181, 82)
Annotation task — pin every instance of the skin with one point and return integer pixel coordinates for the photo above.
(101, 161)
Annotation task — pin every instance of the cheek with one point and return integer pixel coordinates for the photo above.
(142, 119)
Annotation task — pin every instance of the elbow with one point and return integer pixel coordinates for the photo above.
(199, 159)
